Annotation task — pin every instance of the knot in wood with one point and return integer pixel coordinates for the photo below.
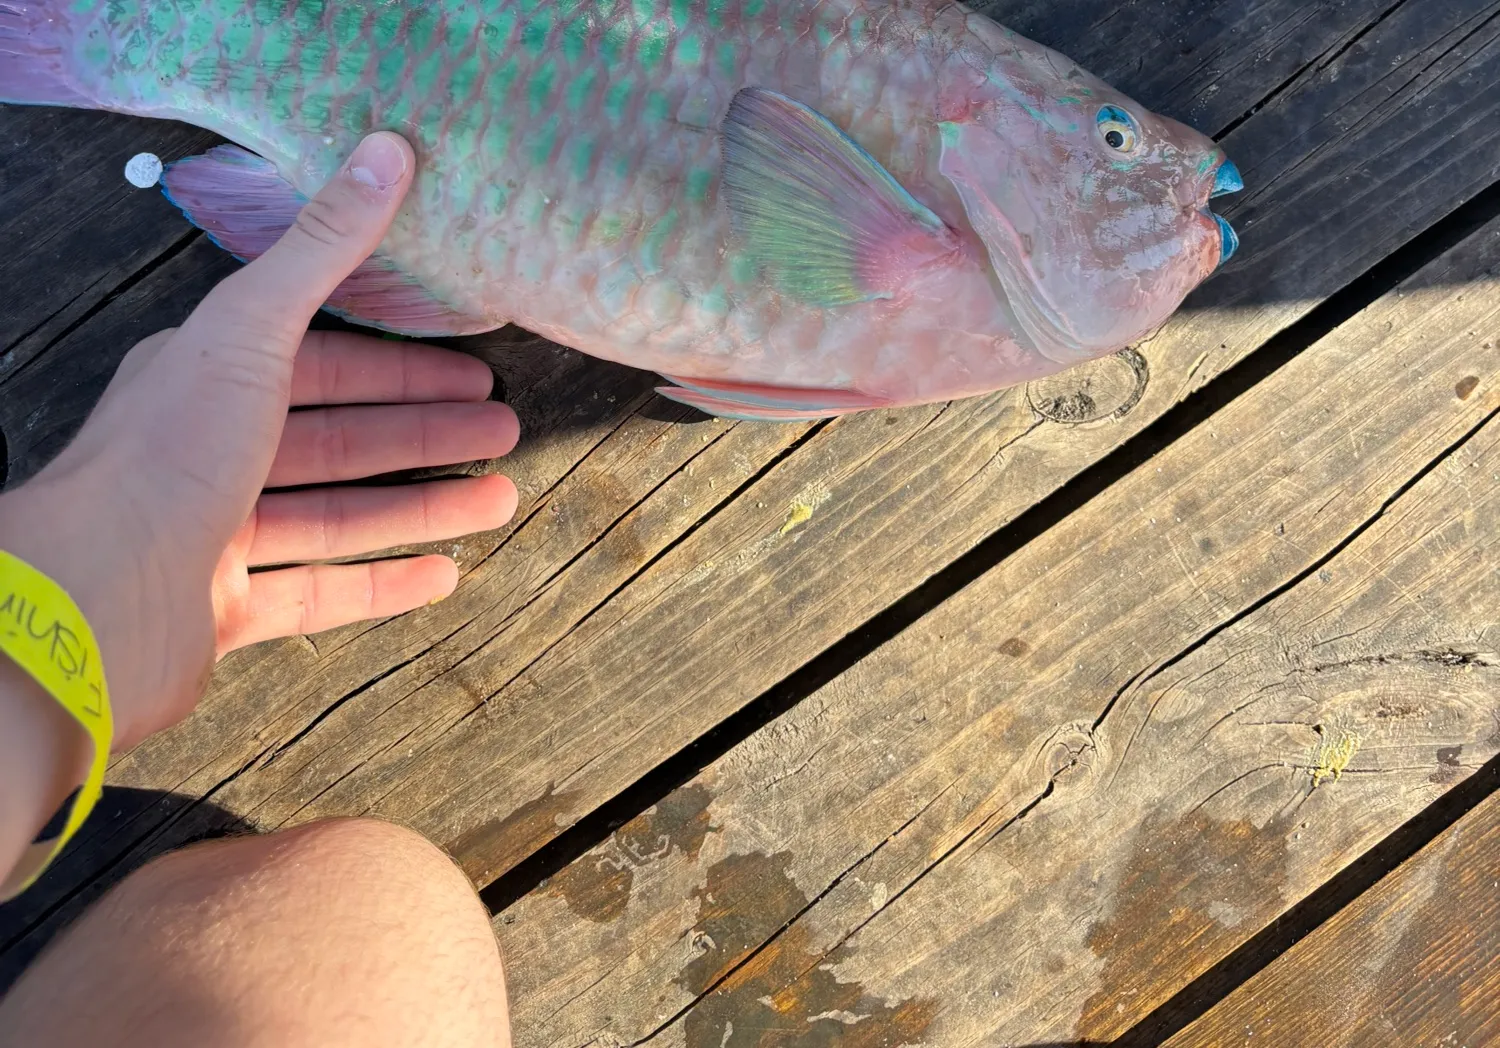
(1104, 388)
(1070, 758)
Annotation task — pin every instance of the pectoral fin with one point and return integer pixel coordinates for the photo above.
(825, 222)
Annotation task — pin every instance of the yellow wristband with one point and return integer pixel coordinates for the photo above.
(48, 637)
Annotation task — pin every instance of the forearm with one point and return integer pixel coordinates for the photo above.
(44, 754)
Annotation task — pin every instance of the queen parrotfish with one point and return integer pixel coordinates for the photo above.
(790, 209)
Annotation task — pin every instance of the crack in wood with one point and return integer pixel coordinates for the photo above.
(713, 511)
(539, 589)
(1140, 681)
(1312, 66)
(1447, 657)
(131, 280)
(364, 687)
(1485, 24)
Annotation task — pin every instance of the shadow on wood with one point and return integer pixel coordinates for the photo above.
(111, 843)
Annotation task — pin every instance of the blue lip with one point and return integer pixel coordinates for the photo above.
(1229, 240)
(1228, 180)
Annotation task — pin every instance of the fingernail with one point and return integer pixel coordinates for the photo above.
(378, 162)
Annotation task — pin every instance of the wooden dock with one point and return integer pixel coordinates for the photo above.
(1158, 702)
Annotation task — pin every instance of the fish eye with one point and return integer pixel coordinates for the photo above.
(1117, 128)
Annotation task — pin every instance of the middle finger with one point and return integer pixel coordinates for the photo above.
(326, 445)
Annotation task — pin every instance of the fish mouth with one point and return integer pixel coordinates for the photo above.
(1226, 180)
(1229, 240)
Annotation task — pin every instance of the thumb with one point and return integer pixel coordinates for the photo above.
(336, 231)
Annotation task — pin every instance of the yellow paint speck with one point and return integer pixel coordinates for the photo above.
(801, 514)
(807, 500)
(1335, 750)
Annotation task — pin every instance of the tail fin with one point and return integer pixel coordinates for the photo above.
(38, 56)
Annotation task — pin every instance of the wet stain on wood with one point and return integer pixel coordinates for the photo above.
(1186, 890)
(1466, 386)
(597, 887)
(1015, 647)
(492, 848)
(1449, 768)
(785, 995)
(741, 904)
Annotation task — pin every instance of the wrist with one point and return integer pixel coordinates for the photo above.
(52, 527)
(44, 755)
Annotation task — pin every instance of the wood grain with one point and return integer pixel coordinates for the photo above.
(635, 603)
(1412, 961)
(1076, 785)
(75, 230)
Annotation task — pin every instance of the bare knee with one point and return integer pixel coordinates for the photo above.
(374, 870)
(358, 881)
(352, 922)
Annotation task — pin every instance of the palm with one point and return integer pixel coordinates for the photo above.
(373, 407)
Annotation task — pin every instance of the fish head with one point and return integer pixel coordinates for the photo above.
(1093, 211)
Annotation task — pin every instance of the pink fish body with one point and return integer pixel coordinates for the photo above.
(790, 209)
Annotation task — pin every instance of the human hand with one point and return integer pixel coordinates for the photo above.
(154, 515)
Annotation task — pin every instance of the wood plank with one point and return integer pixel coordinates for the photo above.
(1098, 769)
(75, 229)
(462, 675)
(1412, 961)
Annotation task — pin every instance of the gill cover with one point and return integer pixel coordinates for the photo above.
(977, 164)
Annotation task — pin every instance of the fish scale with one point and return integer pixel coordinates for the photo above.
(590, 163)
(571, 166)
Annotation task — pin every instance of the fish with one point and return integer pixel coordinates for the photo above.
(788, 209)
